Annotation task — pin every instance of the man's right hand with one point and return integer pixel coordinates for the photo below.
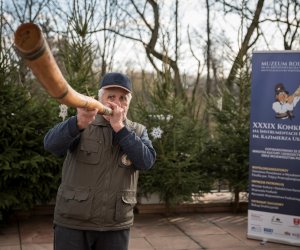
(290, 99)
(85, 117)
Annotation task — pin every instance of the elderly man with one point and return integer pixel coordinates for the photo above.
(94, 204)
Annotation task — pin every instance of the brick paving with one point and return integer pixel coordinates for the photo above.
(180, 231)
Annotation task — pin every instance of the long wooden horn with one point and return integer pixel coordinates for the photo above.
(33, 48)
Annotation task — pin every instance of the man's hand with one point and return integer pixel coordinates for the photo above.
(290, 99)
(117, 118)
(85, 117)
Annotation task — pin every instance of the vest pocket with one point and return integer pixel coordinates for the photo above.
(126, 201)
(74, 202)
(89, 151)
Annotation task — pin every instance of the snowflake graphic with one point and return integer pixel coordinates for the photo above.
(63, 111)
(156, 132)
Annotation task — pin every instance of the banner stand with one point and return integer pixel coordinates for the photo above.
(274, 150)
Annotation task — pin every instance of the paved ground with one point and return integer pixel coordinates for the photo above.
(191, 231)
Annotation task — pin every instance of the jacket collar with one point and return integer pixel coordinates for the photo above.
(100, 121)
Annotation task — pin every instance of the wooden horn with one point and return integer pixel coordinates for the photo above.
(33, 48)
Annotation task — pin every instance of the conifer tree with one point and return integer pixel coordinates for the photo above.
(230, 146)
(177, 138)
(28, 174)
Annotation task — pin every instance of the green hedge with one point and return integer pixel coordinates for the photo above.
(28, 174)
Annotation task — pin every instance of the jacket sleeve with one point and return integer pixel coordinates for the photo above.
(62, 137)
(138, 149)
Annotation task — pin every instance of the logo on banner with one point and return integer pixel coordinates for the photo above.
(284, 102)
(296, 235)
(256, 229)
(256, 217)
(276, 220)
(268, 230)
(296, 221)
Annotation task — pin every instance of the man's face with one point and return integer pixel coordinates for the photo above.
(282, 97)
(118, 96)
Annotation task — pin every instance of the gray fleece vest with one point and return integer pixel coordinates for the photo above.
(98, 189)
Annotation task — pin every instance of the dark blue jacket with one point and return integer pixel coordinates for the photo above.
(66, 135)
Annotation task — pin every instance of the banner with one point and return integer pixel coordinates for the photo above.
(274, 167)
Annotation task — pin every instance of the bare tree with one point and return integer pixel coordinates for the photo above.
(146, 20)
(108, 42)
(27, 10)
(90, 19)
(208, 49)
(200, 68)
(208, 44)
(248, 40)
(287, 19)
(18, 12)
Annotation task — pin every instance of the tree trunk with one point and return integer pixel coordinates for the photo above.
(245, 44)
(164, 58)
(236, 203)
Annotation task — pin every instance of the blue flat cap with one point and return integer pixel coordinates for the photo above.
(115, 79)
